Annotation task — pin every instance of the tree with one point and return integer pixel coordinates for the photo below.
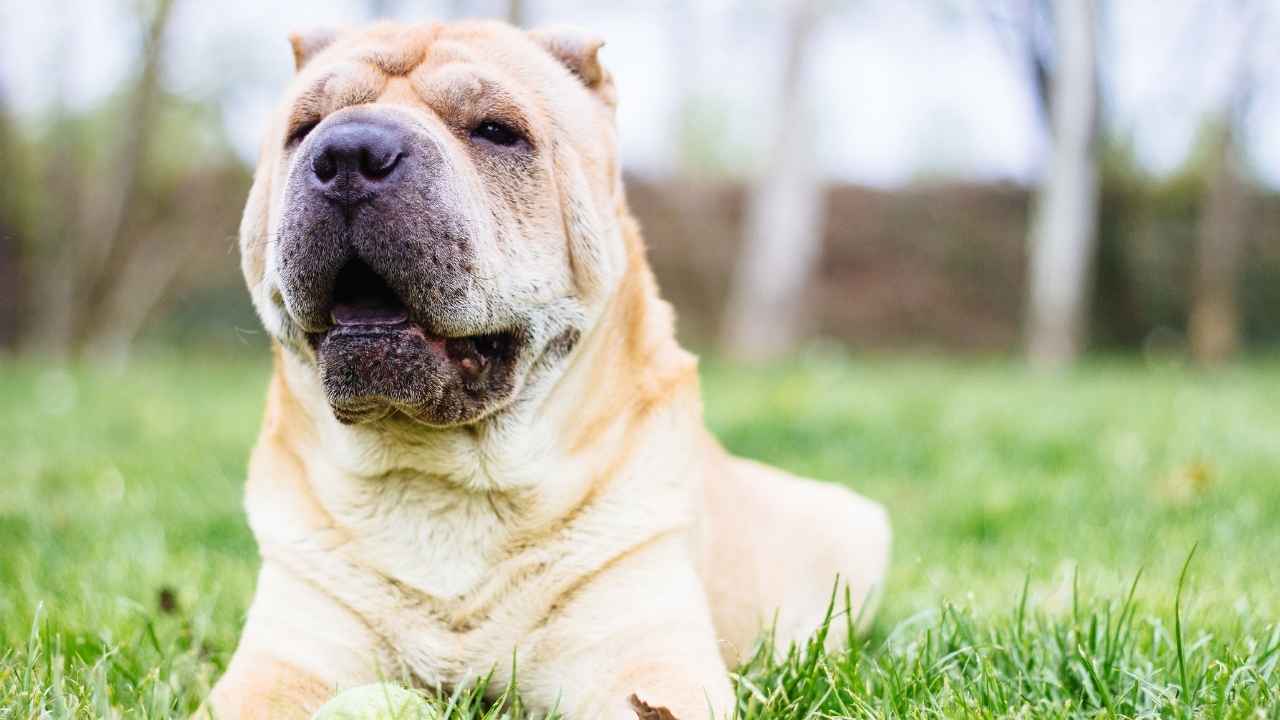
(10, 242)
(516, 13)
(783, 235)
(1063, 232)
(1214, 323)
(100, 281)
(143, 271)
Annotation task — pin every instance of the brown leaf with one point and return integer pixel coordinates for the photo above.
(167, 599)
(645, 711)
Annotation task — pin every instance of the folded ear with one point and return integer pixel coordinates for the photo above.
(307, 45)
(578, 50)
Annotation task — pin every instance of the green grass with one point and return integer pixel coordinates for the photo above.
(1024, 509)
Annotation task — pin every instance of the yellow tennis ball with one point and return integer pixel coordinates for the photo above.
(379, 701)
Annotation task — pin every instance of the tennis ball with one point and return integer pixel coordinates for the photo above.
(379, 701)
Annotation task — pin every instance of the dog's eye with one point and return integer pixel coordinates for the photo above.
(300, 132)
(497, 133)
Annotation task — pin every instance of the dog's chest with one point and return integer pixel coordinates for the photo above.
(440, 543)
(448, 581)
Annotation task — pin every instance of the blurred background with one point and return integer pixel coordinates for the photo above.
(957, 176)
(874, 218)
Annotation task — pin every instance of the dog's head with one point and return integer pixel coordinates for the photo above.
(434, 219)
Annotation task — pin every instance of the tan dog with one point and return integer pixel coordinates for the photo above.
(482, 442)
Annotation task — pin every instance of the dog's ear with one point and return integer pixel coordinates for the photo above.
(306, 45)
(578, 50)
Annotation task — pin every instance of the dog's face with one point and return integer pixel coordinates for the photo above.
(433, 222)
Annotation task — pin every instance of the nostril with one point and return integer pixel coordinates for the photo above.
(325, 166)
(353, 158)
(376, 164)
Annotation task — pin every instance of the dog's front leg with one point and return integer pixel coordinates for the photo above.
(634, 640)
(299, 647)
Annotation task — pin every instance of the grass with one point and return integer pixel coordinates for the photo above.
(1025, 508)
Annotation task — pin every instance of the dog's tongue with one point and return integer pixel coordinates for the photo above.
(356, 313)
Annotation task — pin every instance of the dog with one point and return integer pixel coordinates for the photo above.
(483, 450)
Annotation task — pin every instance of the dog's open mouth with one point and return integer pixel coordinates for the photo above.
(376, 349)
(364, 305)
(362, 298)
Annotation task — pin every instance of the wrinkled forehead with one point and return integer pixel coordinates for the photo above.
(439, 67)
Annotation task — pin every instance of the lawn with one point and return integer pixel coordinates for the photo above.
(1024, 507)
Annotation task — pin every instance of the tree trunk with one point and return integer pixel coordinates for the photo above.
(1214, 325)
(142, 285)
(55, 227)
(783, 234)
(516, 13)
(10, 286)
(1215, 312)
(110, 205)
(1064, 219)
(11, 291)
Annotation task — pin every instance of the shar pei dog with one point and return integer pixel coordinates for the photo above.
(483, 448)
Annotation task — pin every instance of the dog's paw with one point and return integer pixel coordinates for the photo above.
(645, 711)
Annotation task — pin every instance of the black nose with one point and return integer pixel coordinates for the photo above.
(353, 161)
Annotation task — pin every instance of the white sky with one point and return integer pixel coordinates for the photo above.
(899, 89)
